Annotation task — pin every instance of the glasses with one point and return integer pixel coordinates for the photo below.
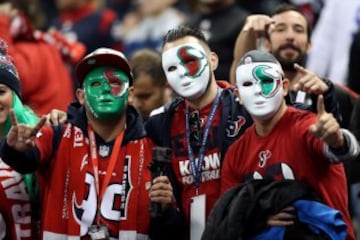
(195, 129)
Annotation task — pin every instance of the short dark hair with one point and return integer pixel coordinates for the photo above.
(184, 31)
(289, 7)
(148, 61)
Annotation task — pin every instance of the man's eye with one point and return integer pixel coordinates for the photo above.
(247, 84)
(280, 29)
(171, 69)
(267, 81)
(95, 84)
(143, 96)
(190, 61)
(115, 84)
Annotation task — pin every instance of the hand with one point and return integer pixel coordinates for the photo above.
(6, 9)
(22, 137)
(326, 127)
(309, 82)
(56, 117)
(161, 192)
(285, 217)
(259, 24)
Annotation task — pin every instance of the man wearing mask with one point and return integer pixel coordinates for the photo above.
(95, 165)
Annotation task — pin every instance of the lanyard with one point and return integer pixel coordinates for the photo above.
(95, 163)
(196, 169)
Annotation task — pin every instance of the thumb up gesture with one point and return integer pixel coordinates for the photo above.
(326, 127)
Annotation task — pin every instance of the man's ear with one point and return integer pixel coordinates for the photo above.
(80, 95)
(237, 94)
(286, 85)
(131, 95)
(214, 61)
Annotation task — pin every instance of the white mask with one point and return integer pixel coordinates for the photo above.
(187, 70)
(261, 88)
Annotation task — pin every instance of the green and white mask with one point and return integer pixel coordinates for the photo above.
(260, 87)
(106, 92)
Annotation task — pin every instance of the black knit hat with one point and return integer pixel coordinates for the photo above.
(8, 73)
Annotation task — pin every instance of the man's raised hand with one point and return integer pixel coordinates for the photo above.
(326, 127)
(22, 137)
(309, 82)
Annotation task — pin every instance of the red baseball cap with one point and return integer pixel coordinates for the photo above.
(102, 57)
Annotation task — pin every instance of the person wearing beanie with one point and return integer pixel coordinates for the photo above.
(96, 164)
(18, 193)
(287, 143)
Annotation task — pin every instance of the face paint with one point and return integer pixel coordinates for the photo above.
(187, 69)
(260, 88)
(106, 92)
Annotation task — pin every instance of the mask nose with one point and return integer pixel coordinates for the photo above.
(181, 71)
(258, 88)
(106, 88)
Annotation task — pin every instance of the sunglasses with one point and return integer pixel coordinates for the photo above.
(195, 129)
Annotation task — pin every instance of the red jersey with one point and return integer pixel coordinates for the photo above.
(70, 199)
(289, 151)
(210, 173)
(15, 206)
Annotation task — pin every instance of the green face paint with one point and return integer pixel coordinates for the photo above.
(106, 92)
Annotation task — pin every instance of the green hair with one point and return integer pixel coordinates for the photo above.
(27, 116)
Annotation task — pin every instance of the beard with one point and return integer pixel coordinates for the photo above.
(288, 63)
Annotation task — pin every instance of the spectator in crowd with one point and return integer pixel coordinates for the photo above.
(147, 24)
(333, 47)
(286, 34)
(220, 21)
(150, 89)
(41, 68)
(199, 125)
(83, 21)
(287, 143)
(96, 164)
(19, 193)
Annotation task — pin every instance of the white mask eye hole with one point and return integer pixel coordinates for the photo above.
(95, 84)
(268, 81)
(171, 68)
(247, 84)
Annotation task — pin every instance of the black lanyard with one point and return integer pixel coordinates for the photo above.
(196, 169)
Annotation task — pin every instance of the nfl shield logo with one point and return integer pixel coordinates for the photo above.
(104, 151)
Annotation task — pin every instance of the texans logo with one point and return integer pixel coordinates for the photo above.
(194, 61)
(269, 79)
(263, 157)
(235, 126)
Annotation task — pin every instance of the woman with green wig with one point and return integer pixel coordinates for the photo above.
(19, 193)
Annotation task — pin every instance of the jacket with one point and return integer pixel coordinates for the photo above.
(242, 212)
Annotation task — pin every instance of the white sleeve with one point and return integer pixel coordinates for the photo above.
(353, 149)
